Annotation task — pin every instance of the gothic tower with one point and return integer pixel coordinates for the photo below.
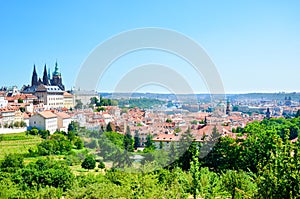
(56, 78)
(34, 79)
(49, 74)
(45, 77)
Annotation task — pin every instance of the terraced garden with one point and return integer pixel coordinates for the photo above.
(18, 143)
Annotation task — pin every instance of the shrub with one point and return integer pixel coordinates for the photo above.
(101, 165)
(89, 162)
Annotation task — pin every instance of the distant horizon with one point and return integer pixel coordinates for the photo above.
(157, 92)
(241, 93)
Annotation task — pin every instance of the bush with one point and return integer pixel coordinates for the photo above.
(17, 124)
(101, 165)
(89, 162)
(12, 163)
(44, 173)
(78, 143)
(33, 131)
(23, 124)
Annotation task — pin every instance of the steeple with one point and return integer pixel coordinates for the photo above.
(228, 107)
(34, 79)
(45, 76)
(56, 78)
(56, 72)
(49, 74)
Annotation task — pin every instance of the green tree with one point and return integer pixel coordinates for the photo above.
(280, 178)
(79, 104)
(17, 124)
(78, 143)
(109, 127)
(44, 133)
(44, 173)
(89, 162)
(177, 130)
(33, 131)
(298, 113)
(101, 165)
(136, 139)
(73, 126)
(194, 122)
(11, 163)
(239, 184)
(186, 150)
(149, 145)
(128, 141)
(194, 170)
(168, 120)
(94, 101)
(99, 109)
(173, 152)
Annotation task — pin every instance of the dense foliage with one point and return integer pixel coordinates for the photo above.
(261, 162)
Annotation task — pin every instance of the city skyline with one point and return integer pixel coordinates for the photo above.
(254, 45)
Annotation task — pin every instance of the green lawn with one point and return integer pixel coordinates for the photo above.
(17, 143)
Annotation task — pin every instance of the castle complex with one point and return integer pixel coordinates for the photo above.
(55, 81)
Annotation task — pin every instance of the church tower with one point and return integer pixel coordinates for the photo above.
(56, 78)
(228, 108)
(45, 76)
(34, 79)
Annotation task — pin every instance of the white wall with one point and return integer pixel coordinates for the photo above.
(49, 124)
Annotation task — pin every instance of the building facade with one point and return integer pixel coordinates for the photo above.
(45, 120)
(69, 100)
(51, 96)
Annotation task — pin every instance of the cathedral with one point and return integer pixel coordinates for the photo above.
(46, 80)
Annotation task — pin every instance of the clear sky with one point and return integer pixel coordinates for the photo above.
(255, 45)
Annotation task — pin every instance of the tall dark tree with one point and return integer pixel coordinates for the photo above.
(79, 104)
(109, 127)
(94, 101)
(187, 148)
(149, 142)
(73, 126)
(298, 113)
(128, 141)
(136, 139)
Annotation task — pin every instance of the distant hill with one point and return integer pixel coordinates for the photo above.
(204, 97)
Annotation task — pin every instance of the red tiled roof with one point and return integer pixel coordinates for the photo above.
(66, 94)
(47, 114)
(21, 96)
(63, 115)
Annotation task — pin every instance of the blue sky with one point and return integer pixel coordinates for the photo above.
(255, 45)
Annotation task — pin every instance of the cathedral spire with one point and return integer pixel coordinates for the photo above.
(49, 74)
(56, 78)
(56, 70)
(34, 79)
(45, 76)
